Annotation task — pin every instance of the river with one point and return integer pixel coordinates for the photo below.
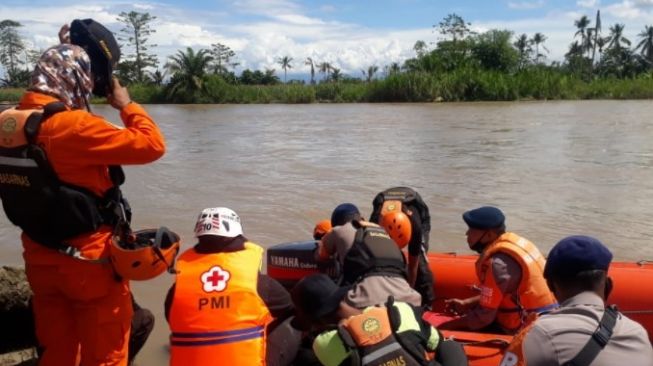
(554, 168)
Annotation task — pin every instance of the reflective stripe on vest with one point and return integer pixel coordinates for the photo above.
(200, 339)
(216, 312)
(383, 351)
(533, 294)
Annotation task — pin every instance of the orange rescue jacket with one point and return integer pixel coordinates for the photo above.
(533, 294)
(217, 316)
(80, 147)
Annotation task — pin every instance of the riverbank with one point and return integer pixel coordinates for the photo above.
(17, 340)
(459, 85)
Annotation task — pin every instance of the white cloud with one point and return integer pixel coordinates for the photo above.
(639, 10)
(276, 28)
(143, 7)
(587, 3)
(526, 4)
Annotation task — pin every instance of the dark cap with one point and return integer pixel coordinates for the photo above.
(315, 296)
(575, 254)
(486, 217)
(344, 213)
(102, 48)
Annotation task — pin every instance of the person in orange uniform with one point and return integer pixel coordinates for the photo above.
(510, 270)
(82, 309)
(221, 310)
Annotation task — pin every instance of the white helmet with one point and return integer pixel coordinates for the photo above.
(218, 221)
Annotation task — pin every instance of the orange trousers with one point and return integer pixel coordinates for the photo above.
(82, 313)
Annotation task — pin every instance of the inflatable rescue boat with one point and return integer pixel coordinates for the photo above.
(455, 277)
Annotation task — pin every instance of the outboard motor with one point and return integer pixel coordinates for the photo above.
(290, 262)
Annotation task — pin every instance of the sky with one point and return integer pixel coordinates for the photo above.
(350, 35)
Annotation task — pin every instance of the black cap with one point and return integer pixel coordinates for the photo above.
(344, 213)
(315, 296)
(486, 217)
(102, 48)
(575, 254)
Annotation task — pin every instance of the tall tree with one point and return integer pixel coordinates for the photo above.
(394, 68)
(583, 31)
(336, 74)
(454, 26)
(285, 63)
(223, 58)
(188, 71)
(269, 78)
(11, 47)
(539, 39)
(309, 62)
(420, 48)
(616, 37)
(136, 33)
(451, 52)
(524, 49)
(157, 77)
(645, 45)
(325, 68)
(370, 72)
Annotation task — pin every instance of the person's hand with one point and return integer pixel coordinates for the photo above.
(64, 34)
(456, 306)
(119, 97)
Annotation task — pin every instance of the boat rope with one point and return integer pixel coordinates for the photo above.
(636, 311)
(496, 342)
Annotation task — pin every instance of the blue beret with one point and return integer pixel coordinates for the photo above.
(574, 254)
(486, 217)
(344, 213)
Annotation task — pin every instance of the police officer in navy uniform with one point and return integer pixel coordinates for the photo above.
(577, 273)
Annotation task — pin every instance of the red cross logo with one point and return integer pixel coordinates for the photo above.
(215, 279)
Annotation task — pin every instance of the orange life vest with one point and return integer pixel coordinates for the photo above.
(372, 339)
(532, 296)
(48, 209)
(514, 355)
(217, 316)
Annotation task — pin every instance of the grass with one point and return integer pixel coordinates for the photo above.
(464, 84)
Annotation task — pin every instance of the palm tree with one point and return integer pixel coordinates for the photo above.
(539, 39)
(616, 37)
(325, 68)
(309, 62)
(523, 46)
(336, 75)
(157, 77)
(188, 71)
(646, 44)
(394, 68)
(369, 73)
(284, 62)
(583, 31)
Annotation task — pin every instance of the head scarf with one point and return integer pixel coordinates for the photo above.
(64, 71)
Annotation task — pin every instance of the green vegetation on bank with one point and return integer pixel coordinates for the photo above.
(463, 66)
(471, 85)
